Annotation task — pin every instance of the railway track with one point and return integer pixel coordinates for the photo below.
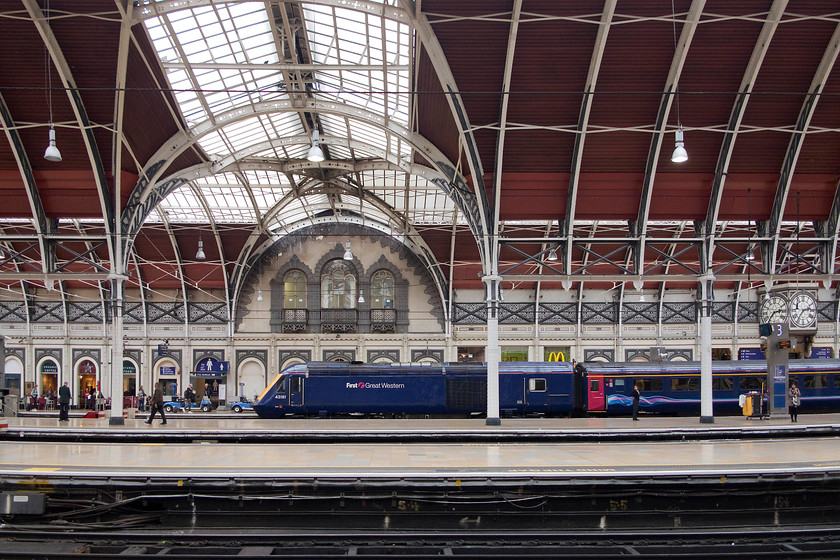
(55, 544)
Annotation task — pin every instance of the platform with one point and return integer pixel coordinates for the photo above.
(194, 446)
(588, 474)
(247, 428)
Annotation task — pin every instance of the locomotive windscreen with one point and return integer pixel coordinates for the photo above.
(466, 394)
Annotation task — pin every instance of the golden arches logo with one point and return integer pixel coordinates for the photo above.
(556, 357)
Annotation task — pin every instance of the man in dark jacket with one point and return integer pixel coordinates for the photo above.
(64, 398)
(157, 405)
(636, 396)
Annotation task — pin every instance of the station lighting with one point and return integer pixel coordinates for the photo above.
(315, 154)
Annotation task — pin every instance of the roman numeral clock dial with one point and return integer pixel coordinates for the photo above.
(774, 310)
(803, 310)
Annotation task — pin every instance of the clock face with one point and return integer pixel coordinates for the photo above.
(803, 310)
(774, 310)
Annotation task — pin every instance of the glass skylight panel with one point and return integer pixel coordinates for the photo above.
(213, 144)
(267, 198)
(355, 38)
(285, 124)
(363, 132)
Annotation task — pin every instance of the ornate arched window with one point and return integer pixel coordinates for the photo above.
(338, 286)
(383, 316)
(382, 290)
(294, 290)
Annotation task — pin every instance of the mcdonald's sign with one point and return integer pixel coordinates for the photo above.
(556, 357)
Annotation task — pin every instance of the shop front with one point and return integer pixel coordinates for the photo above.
(129, 384)
(86, 390)
(48, 377)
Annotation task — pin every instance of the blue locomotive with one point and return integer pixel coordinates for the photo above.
(532, 388)
(329, 388)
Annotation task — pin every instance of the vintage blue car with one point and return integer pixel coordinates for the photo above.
(242, 404)
(181, 405)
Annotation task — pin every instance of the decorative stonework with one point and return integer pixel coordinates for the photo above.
(18, 353)
(259, 355)
(603, 354)
(94, 354)
(392, 356)
(289, 244)
(671, 354)
(286, 355)
(339, 355)
(435, 355)
(41, 353)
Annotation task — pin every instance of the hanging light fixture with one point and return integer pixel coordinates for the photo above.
(361, 297)
(200, 253)
(552, 254)
(348, 255)
(315, 153)
(51, 153)
(679, 155)
(259, 294)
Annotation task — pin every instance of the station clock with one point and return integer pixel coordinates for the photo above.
(802, 309)
(774, 309)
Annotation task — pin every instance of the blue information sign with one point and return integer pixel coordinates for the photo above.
(167, 370)
(820, 354)
(750, 354)
(209, 365)
(779, 386)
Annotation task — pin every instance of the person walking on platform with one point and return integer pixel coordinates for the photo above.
(157, 405)
(636, 397)
(795, 396)
(141, 400)
(64, 398)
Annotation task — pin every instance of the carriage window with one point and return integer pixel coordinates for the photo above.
(618, 384)
(685, 384)
(280, 387)
(837, 381)
(594, 385)
(536, 384)
(646, 384)
(816, 381)
(750, 383)
(722, 384)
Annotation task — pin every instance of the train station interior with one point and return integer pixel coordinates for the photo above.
(206, 192)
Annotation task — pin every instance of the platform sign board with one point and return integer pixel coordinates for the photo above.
(780, 373)
(750, 354)
(820, 354)
(209, 365)
(167, 370)
(778, 361)
(163, 350)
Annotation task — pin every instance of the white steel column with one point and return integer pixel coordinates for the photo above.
(117, 287)
(493, 353)
(706, 409)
